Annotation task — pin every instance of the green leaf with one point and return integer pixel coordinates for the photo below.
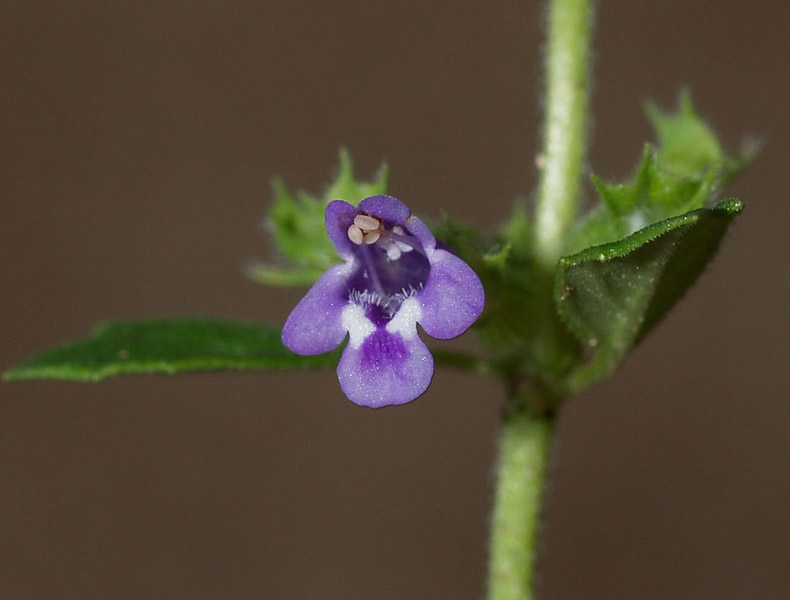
(167, 346)
(519, 327)
(346, 187)
(496, 258)
(685, 171)
(611, 295)
(518, 229)
(687, 145)
(297, 223)
(282, 276)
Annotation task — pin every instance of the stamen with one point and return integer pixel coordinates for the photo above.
(371, 237)
(389, 271)
(370, 263)
(407, 241)
(367, 223)
(355, 234)
(393, 250)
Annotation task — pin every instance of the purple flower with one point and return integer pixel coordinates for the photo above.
(394, 277)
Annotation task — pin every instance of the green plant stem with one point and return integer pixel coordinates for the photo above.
(565, 133)
(521, 476)
(526, 437)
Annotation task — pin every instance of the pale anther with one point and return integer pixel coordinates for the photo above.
(366, 222)
(371, 237)
(355, 234)
(393, 252)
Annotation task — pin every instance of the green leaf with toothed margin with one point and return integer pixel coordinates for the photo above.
(167, 346)
(686, 170)
(610, 296)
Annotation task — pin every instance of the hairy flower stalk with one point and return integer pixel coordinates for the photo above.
(394, 276)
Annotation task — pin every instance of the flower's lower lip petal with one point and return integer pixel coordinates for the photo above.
(452, 298)
(315, 326)
(386, 369)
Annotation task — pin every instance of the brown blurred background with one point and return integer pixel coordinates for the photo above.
(137, 142)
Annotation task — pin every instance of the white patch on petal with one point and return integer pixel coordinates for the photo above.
(405, 320)
(358, 325)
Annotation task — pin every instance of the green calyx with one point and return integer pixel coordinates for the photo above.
(297, 224)
(625, 263)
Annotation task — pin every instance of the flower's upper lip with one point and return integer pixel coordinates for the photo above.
(340, 215)
(386, 208)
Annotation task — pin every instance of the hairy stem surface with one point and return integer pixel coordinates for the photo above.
(565, 129)
(521, 476)
(526, 437)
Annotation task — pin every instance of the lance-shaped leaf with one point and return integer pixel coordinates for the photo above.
(611, 295)
(167, 346)
(179, 345)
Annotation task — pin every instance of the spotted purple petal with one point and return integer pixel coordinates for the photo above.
(452, 298)
(394, 277)
(389, 366)
(314, 326)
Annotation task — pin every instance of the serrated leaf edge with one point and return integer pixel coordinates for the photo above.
(612, 250)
